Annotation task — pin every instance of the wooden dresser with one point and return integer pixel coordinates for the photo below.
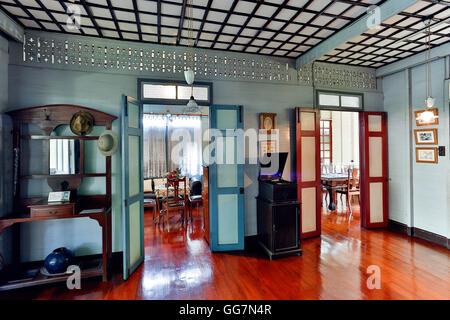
(27, 166)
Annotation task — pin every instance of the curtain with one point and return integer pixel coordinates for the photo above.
(185, 144)
(155, 152)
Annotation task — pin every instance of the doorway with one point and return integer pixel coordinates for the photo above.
(373, 169)
(173, 141)
(339, 167)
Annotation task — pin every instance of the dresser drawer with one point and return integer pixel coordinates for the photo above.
(51, 211)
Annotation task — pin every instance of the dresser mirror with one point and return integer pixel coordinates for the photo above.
(64, 157)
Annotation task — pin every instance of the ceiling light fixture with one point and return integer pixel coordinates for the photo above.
(189, 74)
(428, 116)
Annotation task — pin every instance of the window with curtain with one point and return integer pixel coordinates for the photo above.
(162, 148)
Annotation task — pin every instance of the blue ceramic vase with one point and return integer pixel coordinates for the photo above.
(58, 260)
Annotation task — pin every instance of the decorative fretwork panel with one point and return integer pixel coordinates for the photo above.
(91, 55)
(99, 55)
(326, 75)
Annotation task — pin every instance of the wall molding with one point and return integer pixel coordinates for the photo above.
(402, 228)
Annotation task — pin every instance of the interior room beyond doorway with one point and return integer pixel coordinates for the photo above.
(339, 153)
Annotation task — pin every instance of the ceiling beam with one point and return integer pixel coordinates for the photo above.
(180, 27)
(439, 52)
(202, 24)
(158, 9)
(360, 26)
(91, 16)
(113, 15)
(138, 19)
(11, 28)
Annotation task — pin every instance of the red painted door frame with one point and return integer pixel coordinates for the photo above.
(310, 184)
(365, 178)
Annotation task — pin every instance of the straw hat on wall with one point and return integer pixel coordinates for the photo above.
(108, 143)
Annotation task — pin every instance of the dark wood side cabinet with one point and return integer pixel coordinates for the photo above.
(278, 227)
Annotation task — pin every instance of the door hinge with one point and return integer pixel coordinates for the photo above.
(126, 203)
(240, 114)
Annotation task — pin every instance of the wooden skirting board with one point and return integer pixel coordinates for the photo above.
(418, 233)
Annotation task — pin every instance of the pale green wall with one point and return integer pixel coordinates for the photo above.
(419, 193)
(30, 85)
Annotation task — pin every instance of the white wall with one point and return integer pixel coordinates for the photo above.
(419, 193)
(30, 86)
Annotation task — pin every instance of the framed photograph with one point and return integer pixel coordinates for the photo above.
(426, 155)
(268, 121)
(426, 136)
(62, 196)
(433, 122)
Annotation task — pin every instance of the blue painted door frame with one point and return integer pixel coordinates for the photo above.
(215, 191)
(127, 201)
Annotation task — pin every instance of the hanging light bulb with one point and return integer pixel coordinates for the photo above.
(189, 75)
(429, 101)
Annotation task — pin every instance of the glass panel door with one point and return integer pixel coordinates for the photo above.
(132, 186)
(226, 179)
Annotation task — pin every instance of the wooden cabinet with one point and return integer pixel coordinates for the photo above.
(205, 196)
(27, 166)
(278, 228)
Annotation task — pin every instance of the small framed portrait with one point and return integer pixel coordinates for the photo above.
(426, 155)
(426, 136)
(420, 122)
(268, 121)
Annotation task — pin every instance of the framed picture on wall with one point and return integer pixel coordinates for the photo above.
(268, 121)
(426, 155)
(432, 122)
(426, 136)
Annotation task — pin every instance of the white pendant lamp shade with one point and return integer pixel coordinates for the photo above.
(192, 107)
(189, 76)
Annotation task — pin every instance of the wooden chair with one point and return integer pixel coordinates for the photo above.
(324, 192)
(176, 203)
(351, 189)
(195, 196)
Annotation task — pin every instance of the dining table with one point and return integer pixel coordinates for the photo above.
(332, 182)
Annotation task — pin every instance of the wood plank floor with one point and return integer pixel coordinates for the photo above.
(179, 265)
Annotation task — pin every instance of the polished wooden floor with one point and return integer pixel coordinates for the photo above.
(179, 265)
